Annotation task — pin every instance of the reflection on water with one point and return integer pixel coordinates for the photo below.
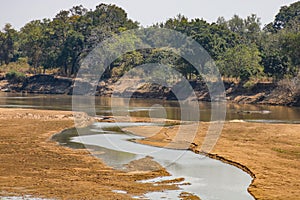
(51, 102)
(111, 157)
(210, 179)
(141, 107)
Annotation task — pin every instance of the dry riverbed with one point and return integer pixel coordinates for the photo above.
(32, 164)
(270, 153)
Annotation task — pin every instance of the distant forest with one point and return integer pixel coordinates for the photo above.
(241, 48)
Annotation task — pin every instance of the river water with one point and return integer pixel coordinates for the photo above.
(140, 107)
(210, 179)
(207, 178)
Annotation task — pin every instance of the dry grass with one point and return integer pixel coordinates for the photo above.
(17, 67)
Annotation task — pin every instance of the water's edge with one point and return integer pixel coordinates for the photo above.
(230, 162)
(210, 155)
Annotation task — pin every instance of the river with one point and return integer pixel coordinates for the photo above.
(140, 107)
(210, 179)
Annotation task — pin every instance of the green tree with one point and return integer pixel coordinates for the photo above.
(214, 38)
(32, 38)
(275, 63)
(126, 62)
(70, 53)
(290, 45)
(287, 17)
(249, 28)
(8, 44)
(281, 52)
(2, 40)
(253, 30)
(237, 25)
(241, 61)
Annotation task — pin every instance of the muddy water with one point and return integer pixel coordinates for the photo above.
(141, 107)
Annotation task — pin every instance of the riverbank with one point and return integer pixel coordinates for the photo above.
(285, 92)
(32, 164)
(270, 153)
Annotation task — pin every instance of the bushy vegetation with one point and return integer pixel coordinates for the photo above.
(240, 47)
(20, 65)
(15, 77)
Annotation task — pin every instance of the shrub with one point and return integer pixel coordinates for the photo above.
(19, 66)
(249, 84)
(15, 77)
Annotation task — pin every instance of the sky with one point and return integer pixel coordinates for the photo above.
(18, 13)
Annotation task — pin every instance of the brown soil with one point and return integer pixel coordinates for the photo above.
(285, 92)
(270, 153)
(32, 164)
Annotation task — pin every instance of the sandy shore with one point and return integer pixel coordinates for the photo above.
(270, 153)
(32, 164)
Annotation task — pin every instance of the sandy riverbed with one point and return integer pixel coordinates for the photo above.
(270, 153)
(32, 164)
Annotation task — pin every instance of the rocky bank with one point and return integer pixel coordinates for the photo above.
(281, 93)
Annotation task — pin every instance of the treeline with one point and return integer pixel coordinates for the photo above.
(240, 47)
(63, 41)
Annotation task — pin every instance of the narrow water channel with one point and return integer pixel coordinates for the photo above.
(209, 179)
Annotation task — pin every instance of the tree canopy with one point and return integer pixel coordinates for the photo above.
(240, 47)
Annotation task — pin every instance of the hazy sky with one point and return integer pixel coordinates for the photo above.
(18, 13)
